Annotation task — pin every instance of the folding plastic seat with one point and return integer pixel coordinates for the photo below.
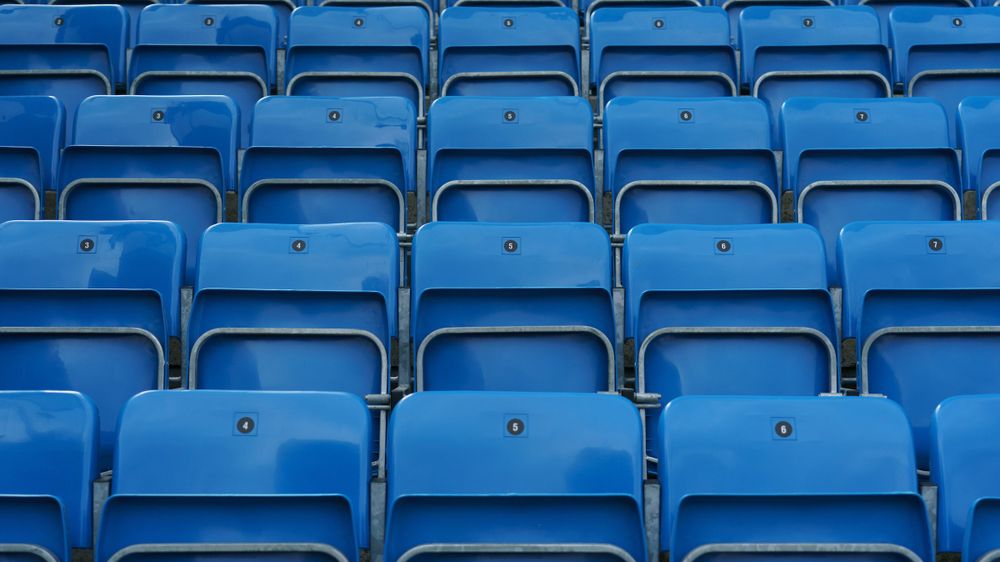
(509, 51)
(921, 299)
(239, 476)
(511, 160)
(48, 442)
(964, 465)
(661, 51)
(31, 136)
(501, 476)
(588, 8)
(865, 160)
(359, 51)
(132, 9)
(734, 8)
(151, 157)
(283, 10)
(430, 7)
(946, 53)
(791, 52)
(207, 49)
(69, 52)
(89, 307)
(978, 122)
(294, 308)
(884, 7)
(330, 160)
(739, 310)
(513, 307)
(790, 478)
(689, 161)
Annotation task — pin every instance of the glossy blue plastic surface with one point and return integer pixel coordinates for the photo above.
(810, 51)
(283, 9)
(983, 530)
(192, 148)
(31, 136)
(184, 471)
(978, 120)
(724, 140)
(689, 45)
(573, 475)
(771, 276)
(509, 39)
(82, 56)
(964, 465)
(130, 279)
(884, 7)
(481, 139)
(844, 474)
(193, 49)
(132, 9)
(48, 442)
(892, 278)
(864, 140)
(391, 42)
(558, 275)
(932, 46)
(295, 138)
(250, 276)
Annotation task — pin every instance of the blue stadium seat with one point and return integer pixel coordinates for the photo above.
(31, 136)
(89, 306)
(207, 49)
(48, 442)
(588, 8)
(359, 51)
(964, 466)
(738, 310)
(661, 51)
(946, 53)
(492, 310)
(704, 161)
(921, 299)
(151, 157)
(865, 160)
(330, 160)
(430, 7)
(509, 51)
(294, 308)
(511, 160)
(792, 479)
(239, 476)
(283, 10)
(482, 474)
(69, 52)
(884, 7)
(734, 8)
(132, 9)
(978, 122)
(806, 51)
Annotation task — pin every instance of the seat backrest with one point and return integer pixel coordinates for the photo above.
(210, 122)
(75, 30)
(49, 443)
(514, 468)
(673, 140)
(378, 35)
(927, 38)
(656, 39)
(250, 27)
(35, 123)
(477, 139)
(781, 38)
(246, 443)
(83, 255)
(963, 463)
(756, 446)
(298, 277)
(505, 39)
(757, 259)
(513, 275)
(978, 119)
(914, 256)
